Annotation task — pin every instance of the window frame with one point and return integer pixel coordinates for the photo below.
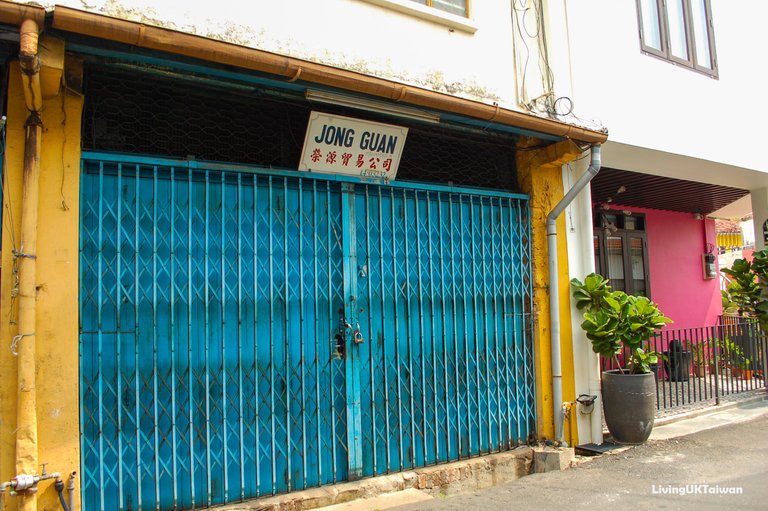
(601, 259)
(665, 52)
(430, 4)
(420, 10)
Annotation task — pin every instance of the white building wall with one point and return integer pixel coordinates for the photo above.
(664, 118)
(650, 102)
(394, 39)
(581, 262)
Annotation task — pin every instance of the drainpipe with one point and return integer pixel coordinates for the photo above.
(554, 308)
(24, 341)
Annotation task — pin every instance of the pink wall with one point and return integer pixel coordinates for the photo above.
(675, 245)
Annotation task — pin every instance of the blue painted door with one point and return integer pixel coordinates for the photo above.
(441, 300)
(247, 333)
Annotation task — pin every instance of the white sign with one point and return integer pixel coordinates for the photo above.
(342, 145)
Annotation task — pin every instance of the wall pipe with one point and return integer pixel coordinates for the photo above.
(27, 484)
(25, 255)
(554, 289)
(71, 490)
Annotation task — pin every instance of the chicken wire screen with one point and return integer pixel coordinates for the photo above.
(139, 113)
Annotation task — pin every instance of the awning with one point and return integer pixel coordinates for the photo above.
(657, 192)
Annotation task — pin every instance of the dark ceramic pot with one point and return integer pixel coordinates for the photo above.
(629, 404)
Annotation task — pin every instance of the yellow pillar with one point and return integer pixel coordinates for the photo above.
(540, 176)
(56, 325)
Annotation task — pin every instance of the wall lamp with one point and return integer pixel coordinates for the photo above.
(370, 105)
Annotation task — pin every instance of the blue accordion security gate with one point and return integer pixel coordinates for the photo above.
(246, 333)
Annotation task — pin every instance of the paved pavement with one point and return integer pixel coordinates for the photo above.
(709, 462)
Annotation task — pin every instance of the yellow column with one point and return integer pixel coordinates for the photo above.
(56, 325)
(540, 176)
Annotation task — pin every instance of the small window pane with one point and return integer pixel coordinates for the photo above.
(649, 10)
(700, 33)
(598, 267)
(677, 40)
(616, 263)
(453, 6)
(638, 266)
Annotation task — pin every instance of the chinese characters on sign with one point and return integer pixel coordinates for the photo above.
(342, 145)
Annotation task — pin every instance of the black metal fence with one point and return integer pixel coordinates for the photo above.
(706, 364)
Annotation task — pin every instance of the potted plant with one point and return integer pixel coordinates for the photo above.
(615, 321)
(677, 361)
(734, 358)
(702, 356)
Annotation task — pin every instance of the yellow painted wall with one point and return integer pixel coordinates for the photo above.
(540, 176)
(57, 280)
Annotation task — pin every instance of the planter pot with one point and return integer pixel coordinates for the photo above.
(701, 370)
(677, 364)
(629, 404)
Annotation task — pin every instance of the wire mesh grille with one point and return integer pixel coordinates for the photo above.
(132, 113)
(144, 114)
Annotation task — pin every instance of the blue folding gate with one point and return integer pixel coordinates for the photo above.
(246, 333)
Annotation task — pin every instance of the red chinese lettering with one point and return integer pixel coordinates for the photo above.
(360, 161)
(387, 164)
(372, 162)
(316, 155)
(331, 158)
(345, 158)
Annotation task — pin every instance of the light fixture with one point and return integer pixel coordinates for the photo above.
(370, 105)
(698, 216)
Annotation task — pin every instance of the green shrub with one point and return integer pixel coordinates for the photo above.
(614, 320)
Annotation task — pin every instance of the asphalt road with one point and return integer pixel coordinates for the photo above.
(682, 473)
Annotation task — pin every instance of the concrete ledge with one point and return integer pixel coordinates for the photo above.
(456, 477)
(549, 459)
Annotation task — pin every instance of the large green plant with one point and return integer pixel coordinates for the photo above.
(614, 320)
(748, 288)
(733, 355)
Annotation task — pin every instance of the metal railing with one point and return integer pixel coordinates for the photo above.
(706, 364)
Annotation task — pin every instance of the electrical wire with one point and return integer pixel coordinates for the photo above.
(547, 103)
(521, 12)
(522, 94)
(7, 218)
(10, 225)
(4, 192)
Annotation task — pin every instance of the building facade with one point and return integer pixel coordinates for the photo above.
(665, 78)
(214, 288)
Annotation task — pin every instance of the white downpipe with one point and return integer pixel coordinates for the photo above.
(554, 289)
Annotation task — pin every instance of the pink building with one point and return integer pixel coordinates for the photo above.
(653, 237)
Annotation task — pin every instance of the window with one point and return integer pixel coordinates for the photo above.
(458, 7)
(450, 13)
(680, 31)
(621, 251)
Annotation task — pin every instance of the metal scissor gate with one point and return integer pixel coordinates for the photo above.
(246, 333)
